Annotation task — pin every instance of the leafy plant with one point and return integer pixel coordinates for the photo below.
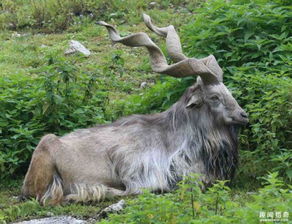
(217, 205)
(59, 100)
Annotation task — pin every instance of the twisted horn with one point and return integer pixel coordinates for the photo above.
(186, 67)
(174, 48)
(173, 44)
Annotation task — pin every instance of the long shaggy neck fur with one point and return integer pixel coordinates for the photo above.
(203, 140)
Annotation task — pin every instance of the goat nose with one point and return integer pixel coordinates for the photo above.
(243, 114)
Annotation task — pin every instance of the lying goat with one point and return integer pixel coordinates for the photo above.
(198, 134)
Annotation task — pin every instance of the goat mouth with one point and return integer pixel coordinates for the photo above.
(241, 122)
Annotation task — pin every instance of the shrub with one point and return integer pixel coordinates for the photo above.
(254, 34)
(59, 100)
(218, 205)
(267, 99)
(158, 98)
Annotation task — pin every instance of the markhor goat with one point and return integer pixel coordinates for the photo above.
(198, 134)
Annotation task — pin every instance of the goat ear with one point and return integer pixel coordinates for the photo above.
(194, 101)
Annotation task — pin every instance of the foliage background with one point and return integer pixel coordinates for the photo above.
(41, 91)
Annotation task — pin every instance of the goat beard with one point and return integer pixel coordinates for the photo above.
(222, 162)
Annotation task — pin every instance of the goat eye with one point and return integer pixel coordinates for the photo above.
(215, 98)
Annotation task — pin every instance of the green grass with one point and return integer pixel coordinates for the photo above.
(11, 209)
(187, 204)
(26, 54)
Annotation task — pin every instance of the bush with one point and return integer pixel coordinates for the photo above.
(160, 97)
(255, 34)
(218, 205)
(59, 100)
(266, 141)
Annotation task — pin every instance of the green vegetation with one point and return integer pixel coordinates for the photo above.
(15, 210)
(42, 91)
(187, 204)
(218, 205)
(55, 16)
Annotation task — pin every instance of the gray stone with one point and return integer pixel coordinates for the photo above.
(54, 220)
(76, 46)
(152, 4)
(143, 85)
(117, 207)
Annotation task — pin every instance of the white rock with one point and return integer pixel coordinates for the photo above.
(50, 214)
(54, 220)
(16, 34)
(117, 207)
(76, 46)
(143, 85)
